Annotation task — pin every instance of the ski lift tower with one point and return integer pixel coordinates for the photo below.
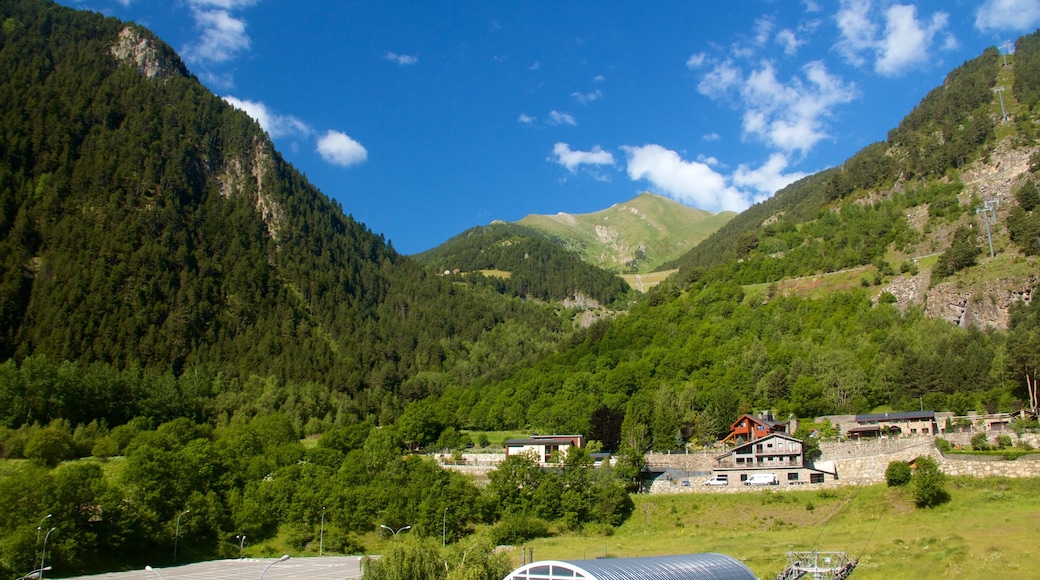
(818, 566)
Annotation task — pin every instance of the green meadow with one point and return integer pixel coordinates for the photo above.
(988, 529)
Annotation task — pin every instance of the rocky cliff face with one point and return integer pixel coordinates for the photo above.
(149, 56)
(979, 301)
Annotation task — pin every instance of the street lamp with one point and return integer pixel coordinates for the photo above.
(154, 571)
(395, 532)
(43, 559)
(321, 535)
(241, 544)
(444, 528)
(38, 529)
(282, 559)
(176, 535)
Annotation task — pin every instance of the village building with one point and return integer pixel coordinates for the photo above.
(751, 427)
(543, 446)
(885, 425)
(776, 454)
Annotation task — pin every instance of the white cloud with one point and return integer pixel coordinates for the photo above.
(223, 36)
(339, 149)
(598, 78)
(558, 118)
(711, 137)
(905, 43)
(787, 39)
(696, 60)
(720, 79)
(586, 98)
(698, 184)
(1016, 15)
(811, 6)
(788, 116)
(401, 59)
(525, 119)
(763, 30)
(535, 66)
(275, 125)
(767, 179)
(857, 30)
(570, 159)
(690, 182)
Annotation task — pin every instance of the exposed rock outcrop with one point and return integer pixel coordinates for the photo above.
(149, 56)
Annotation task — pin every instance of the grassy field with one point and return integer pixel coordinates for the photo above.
(648, 280)
(987, 530)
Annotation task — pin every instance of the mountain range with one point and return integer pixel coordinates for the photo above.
(149, 228)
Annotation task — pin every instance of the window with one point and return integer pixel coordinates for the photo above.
(815, 478)
(792, 476)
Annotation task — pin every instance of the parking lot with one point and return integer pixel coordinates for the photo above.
(326, 568)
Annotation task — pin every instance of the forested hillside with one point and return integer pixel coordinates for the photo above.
(146, 224)
(526, 263)
(179, 307)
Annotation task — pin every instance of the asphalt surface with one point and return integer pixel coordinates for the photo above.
(325, 568)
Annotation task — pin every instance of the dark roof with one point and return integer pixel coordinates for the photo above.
(540, 441)
(902, 416)
(681, 567)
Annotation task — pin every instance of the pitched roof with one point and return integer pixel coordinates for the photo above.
(901, 416)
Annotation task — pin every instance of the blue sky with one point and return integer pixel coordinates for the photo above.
(426, 118)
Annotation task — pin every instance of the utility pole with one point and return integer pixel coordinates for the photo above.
(1006, 45)
(987, 209)
(1000, 94)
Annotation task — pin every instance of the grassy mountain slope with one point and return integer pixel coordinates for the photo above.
(631, 237)
(146, 223)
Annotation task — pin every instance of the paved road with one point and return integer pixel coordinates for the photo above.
(326, 568)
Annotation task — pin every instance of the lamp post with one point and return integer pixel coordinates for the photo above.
(395, 532)
(241, 544)
(43, 559)
(444, 528)
(321, 535)
(38, 529)
(282, 559)
(154, 571)
(176, 535)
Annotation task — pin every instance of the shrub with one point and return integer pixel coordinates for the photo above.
(49, 447)
(980, 442)
(898, 474)
(943, 445)
(517, 528)
(929, 484)
(1004, 441)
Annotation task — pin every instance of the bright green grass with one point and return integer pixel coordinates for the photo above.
(648, 280)
(497, 439)
(987, 530)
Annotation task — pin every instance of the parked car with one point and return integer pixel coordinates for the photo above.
(721, 479)
(762, 479)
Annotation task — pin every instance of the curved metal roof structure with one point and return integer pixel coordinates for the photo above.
(682, 567)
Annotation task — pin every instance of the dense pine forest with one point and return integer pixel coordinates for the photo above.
(179, 307)
(532, 265)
